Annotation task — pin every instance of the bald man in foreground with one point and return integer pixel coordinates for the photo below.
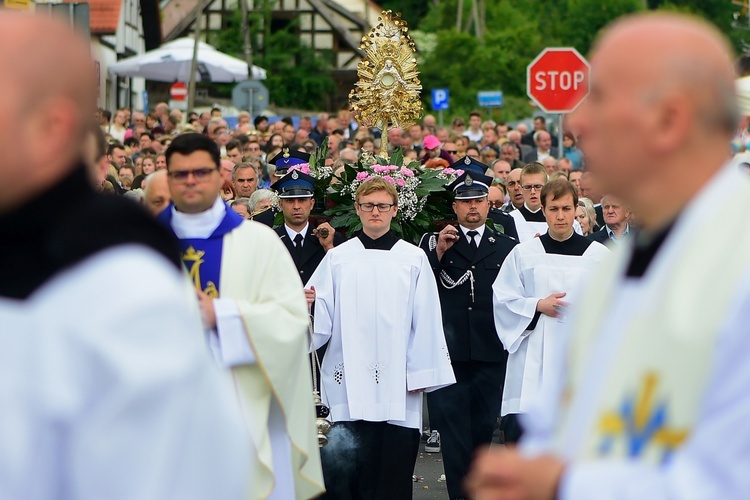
(654, 400)
(106, 388)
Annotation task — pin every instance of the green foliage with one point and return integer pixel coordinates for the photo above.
(297, 76)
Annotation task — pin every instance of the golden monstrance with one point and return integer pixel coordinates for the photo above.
(387, 93)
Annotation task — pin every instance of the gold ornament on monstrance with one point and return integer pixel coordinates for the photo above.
(387, 93)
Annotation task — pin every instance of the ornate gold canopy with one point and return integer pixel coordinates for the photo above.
(387, 93)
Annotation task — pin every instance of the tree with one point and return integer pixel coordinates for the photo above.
(297, 76)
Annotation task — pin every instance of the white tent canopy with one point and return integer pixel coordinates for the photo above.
(172, 61)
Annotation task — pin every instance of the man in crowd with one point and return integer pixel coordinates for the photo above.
(515, 192)
(540, 124)
(306, 245)
(466, 261)
(550, 165)
(474, 132)
(530, 219)
(235, 151)
(107, 388)
(543, 148)
(616, 217)
(245, 179)
(652, 401)
(565, 166)
(510, 153)
(157, 195)
(589, 189)
(319, 132)
(257, 330)
(375, 307)
(501, 169)
(536, 283)
(116, 155)
(575, 179)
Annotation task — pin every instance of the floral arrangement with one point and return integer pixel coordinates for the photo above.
(422, 197)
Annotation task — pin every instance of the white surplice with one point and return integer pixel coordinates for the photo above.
(379, 311)
(528, 275)
(528, 230)
(108, 390)
(714, 460)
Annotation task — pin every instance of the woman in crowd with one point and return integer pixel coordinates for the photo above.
(586, 216)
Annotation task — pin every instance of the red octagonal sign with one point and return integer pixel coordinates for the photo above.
(558, 79)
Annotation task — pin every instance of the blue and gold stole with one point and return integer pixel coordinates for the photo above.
(202, 257)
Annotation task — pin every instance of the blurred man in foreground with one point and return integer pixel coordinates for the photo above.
(652, 401)
(107, 390)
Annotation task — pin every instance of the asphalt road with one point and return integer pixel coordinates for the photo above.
(428, 470)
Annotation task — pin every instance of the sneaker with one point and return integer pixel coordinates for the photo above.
(433, 443)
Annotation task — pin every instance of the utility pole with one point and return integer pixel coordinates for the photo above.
(246, 36)
(194, 63)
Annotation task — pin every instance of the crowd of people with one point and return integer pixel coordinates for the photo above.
(166, 352)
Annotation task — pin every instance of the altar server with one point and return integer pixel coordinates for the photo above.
(253, 305)
(377, 307)
(536, 284)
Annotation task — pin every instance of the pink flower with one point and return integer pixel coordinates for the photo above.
(392, 168)
(302, 167)
(362, 176)
(407, 172)
(400, 182)
(379, 169)
(448, 171)
(459, 172)
(389, 179)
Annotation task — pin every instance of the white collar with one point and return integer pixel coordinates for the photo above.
(612, 234)
(530, 210)
(200, 225)
(292, 233)
(479, 230)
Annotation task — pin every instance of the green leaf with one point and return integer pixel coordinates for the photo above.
(397, 158)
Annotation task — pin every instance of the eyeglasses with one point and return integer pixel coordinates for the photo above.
(451, 151)
(382, 207)
(535, 187)
(496, 204)
(200, 174)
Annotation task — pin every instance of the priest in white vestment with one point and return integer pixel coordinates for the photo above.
(537, 282)
(652, 400)
(253, 304)
(377, 307)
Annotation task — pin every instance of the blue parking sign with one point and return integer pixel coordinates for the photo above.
(440, 99)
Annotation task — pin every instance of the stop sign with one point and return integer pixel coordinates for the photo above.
(558, 79)
(178, 91)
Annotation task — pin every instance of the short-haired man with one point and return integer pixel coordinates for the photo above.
(375, 306)
(306, 245)
(116, 155)
(530, 220)
(515, 192)
(145, 140)
(107, 391)
(542, 148)
(466, 260)
(474, 132)
(616, 222)
(529, 305)
(234, 151)
(501, 169)
(590, 190)
(257, 330)
(565, 166)
(245, 179)
(550, 165)
(575, 178)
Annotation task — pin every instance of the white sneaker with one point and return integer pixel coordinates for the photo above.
(433, 443)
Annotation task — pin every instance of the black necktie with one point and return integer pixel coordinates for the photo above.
(298, 243)
(472, 241)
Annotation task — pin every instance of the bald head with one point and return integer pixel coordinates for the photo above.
(49, 95)
(157, 192)
(662, 101)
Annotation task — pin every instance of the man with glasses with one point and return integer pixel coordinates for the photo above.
(376, 308)
(466, 260)
(515, 193)
(258, 331)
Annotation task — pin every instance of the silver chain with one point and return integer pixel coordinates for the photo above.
(450, 284)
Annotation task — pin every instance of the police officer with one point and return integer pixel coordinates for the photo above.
(466, 260)
(307, 246)
(283, 161)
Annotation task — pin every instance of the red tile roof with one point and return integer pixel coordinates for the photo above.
(105, 15)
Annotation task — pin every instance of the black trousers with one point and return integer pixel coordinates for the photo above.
(465, 414)
(369, 461)
(511, 427)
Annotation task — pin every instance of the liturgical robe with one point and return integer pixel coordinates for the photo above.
(533, 271)
(652, 400)
(529, 224)
(261, 334)
(379, 311)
